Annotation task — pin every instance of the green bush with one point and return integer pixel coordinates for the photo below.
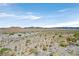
(44, 48)
(28, 41)
(76, 35)
(77, 44)
(51, 54)
(63, 44)
(60, 35)
(11, 33)
(19, 34)
(70, 39)
(3, 50)
(32, 50)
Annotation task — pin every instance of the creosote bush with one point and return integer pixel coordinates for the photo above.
(19, 34)
(63, 44)
(77, 44)
(32, 50)
(28, 41)
(4, 50)
(76, 35)
(51, 54)
(44, 48)
(60, 35)
(15, 48)
(70, 39)
(10, 33)
(53, 36)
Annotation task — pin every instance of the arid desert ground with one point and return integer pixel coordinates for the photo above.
(39, 42)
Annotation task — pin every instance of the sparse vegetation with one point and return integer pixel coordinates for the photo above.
(51, 54)
(39, 42)
(63, 44)
(71, 40)
(44, 48)
(60, 35)
(4, 50)
(19, 34)
(76, 35)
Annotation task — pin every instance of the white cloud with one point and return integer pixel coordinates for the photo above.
(31, 17)
(4, 4)
(29, 13)
(6, 15)
(27, 17)
(63, 10)
(74, 23)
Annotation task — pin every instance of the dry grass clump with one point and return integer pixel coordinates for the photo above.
(15, 48)
(6, 52)
(63, 44)
(27, 42)
(71, 39)
(77, 44)
(54, 36)
(10, 33)
(44, 42)
(60, 35)
(32, 50)
(19, 35)
(76, 35)
(51, 54)
(44, 48)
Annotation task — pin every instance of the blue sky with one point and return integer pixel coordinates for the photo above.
(39, 15)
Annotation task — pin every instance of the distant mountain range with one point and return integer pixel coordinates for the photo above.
(53, 28)
(41, 28)
(19, 29)
(65, 28)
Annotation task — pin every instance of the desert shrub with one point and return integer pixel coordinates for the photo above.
(19, 34)
(32, 50)
(26, 36)
(22, 52)
(10, 33)
(5, 33)
(28, 41)
(50, 45)
(35, 46)
(45, 38)
(47, 45)
(70, 39)
(55, 54)
(51, 54)
(3, 50)
(63, 44)
(70, 51)
(53, 36)
(55, 33)
(60, 35)
(77, 44)
(51, 42)
(76, 35)
(44, 48)
(45, 35)
(15, 48)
